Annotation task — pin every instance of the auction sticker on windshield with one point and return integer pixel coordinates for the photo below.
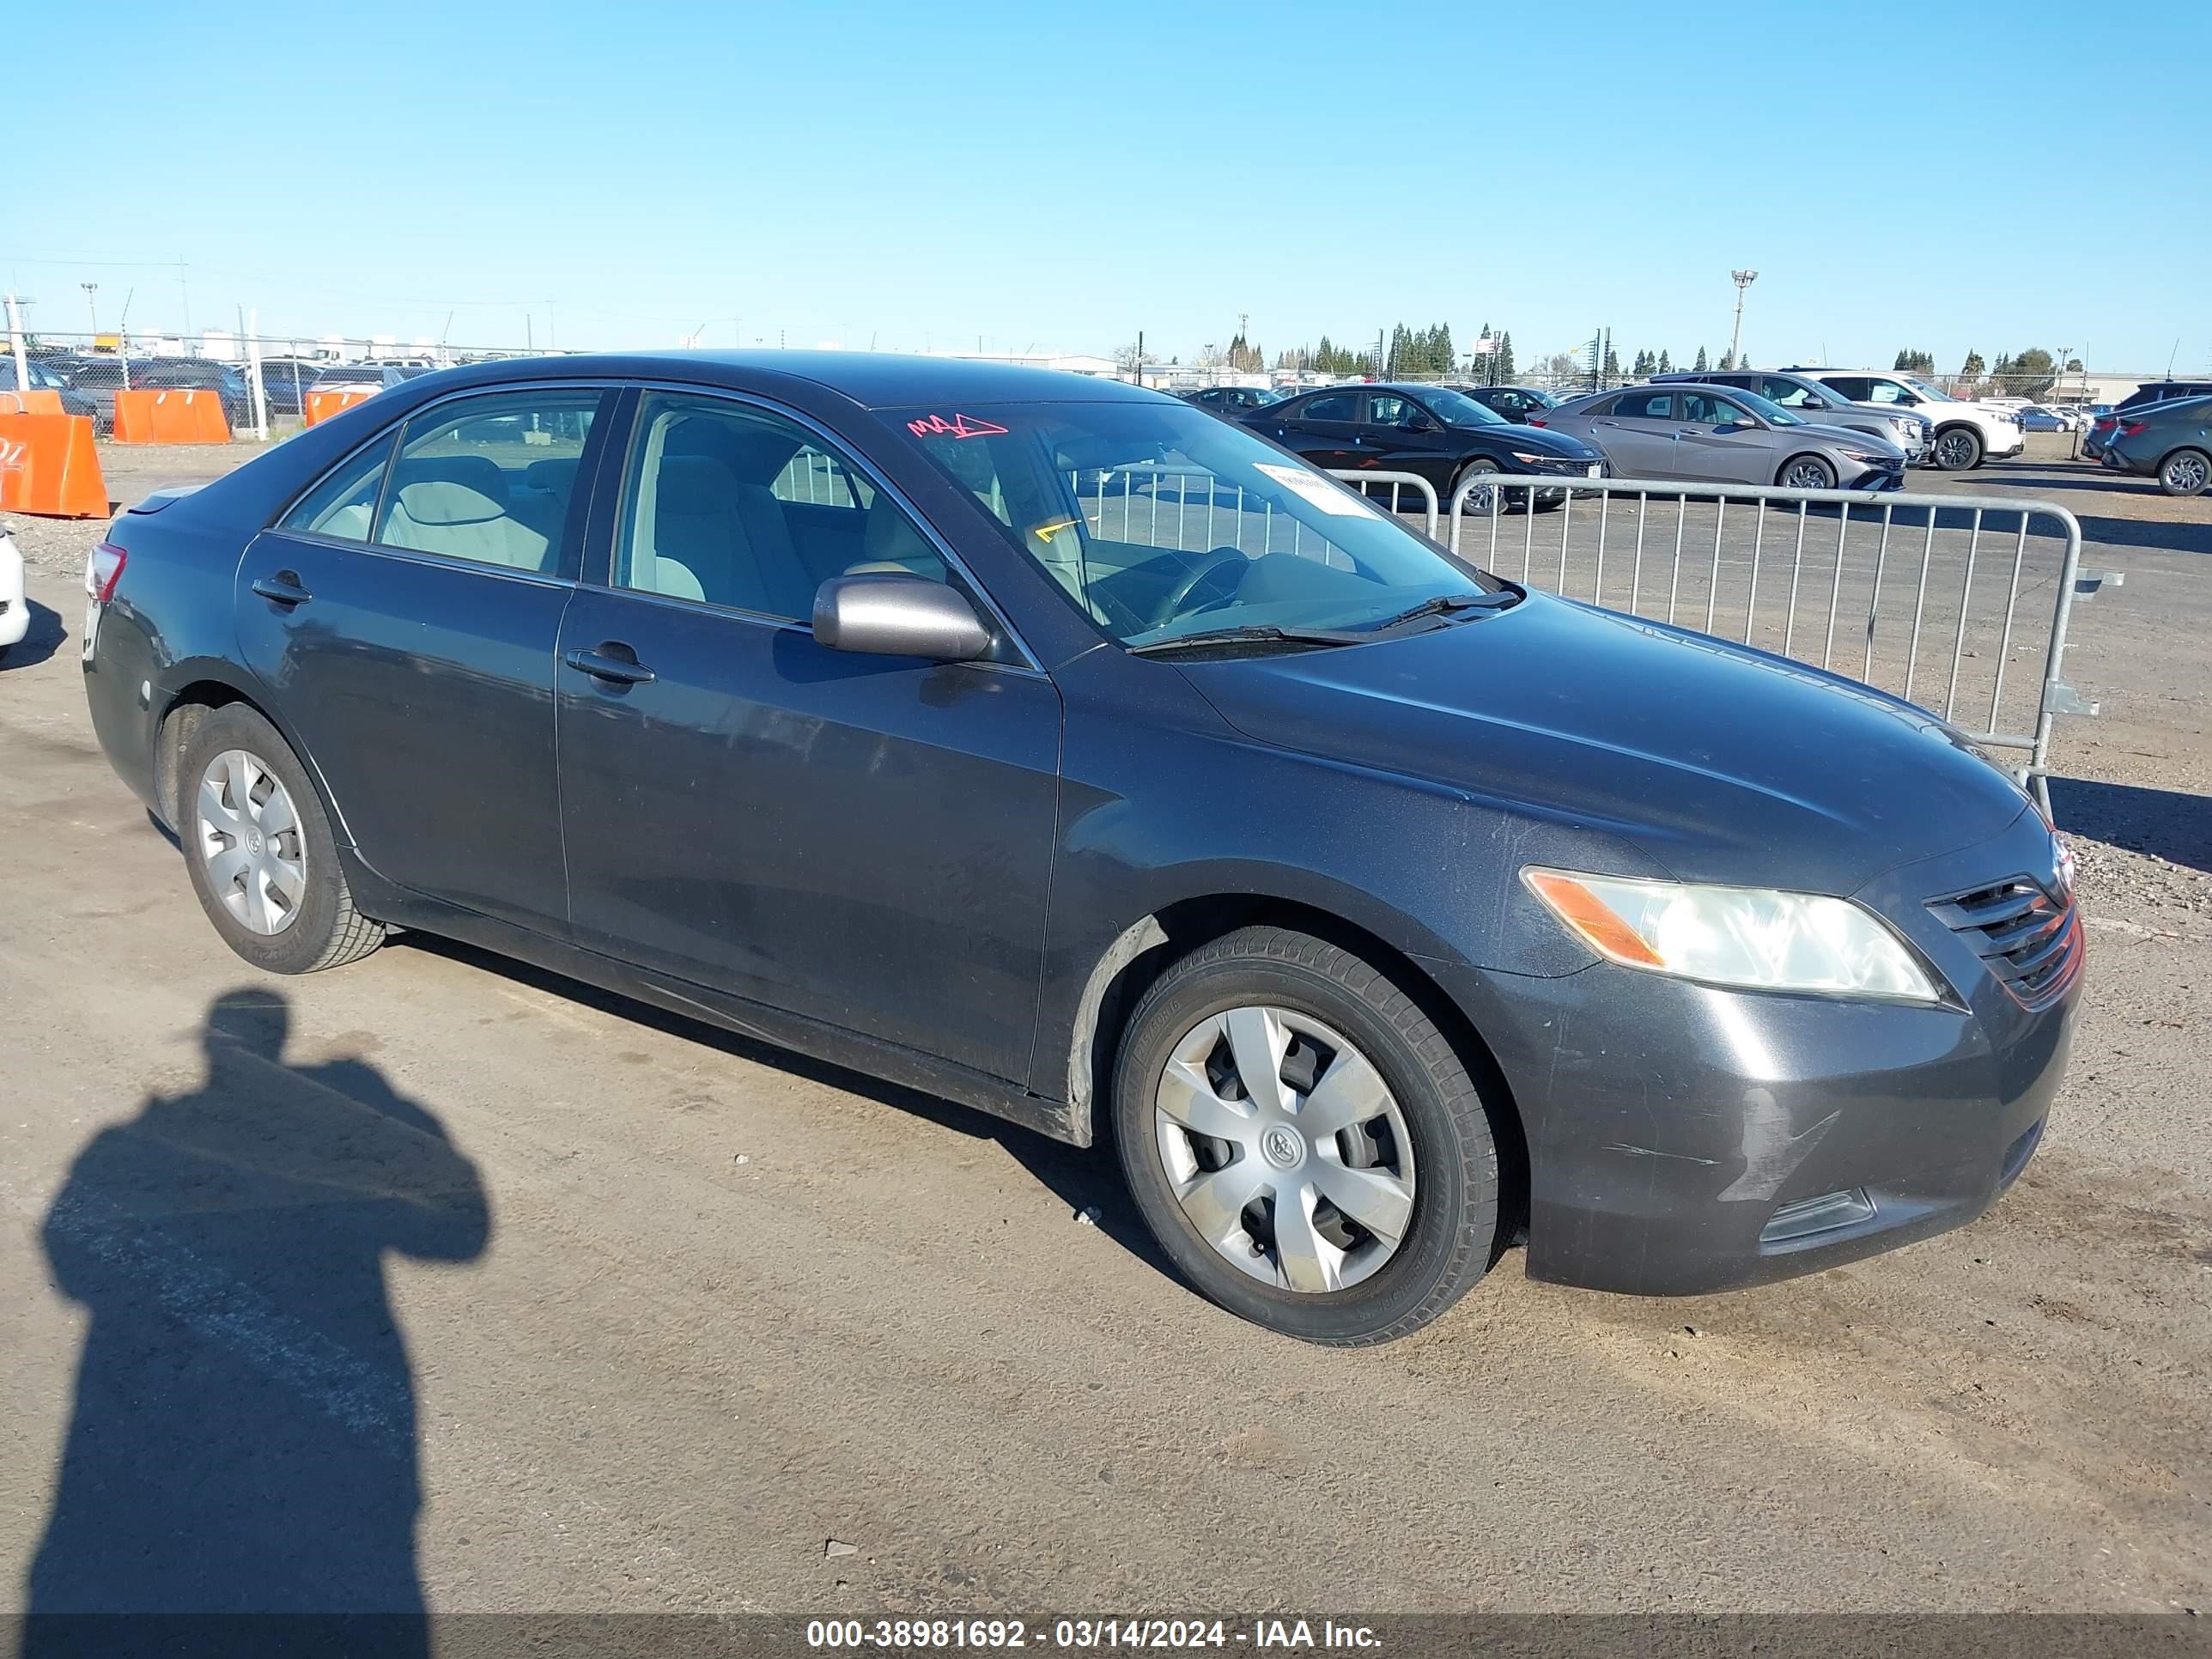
(1315, 489)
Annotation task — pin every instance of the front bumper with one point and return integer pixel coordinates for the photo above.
(1876, 476)
(1681, 1137)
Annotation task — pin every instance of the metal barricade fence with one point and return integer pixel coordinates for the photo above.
(1902, 589)
(1363, 481)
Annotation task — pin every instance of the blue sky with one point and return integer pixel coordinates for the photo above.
(1037, 175)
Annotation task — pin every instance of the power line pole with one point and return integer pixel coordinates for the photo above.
(1742, 279)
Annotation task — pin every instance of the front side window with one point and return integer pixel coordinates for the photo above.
(1155, 521)
(727, 504)
(1389, 409)
(488, 479)
(1789, 394)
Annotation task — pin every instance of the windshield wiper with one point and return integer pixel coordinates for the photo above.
(1263, 633)
(1444, 605)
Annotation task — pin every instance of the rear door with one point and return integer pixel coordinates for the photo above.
(1637, 432)
(1323, 429)
(404, 617)
(863, 840)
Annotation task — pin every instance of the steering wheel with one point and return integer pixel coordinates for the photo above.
(1178, 596)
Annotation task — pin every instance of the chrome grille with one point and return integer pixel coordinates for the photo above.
(2031, 941)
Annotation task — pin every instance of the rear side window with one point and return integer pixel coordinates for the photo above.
(1331, 407)
(1856, 388)
(483, 478)
(1644, 405)
(342, 504)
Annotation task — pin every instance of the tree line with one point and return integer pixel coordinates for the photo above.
(2031, 374)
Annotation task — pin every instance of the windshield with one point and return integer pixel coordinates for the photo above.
(1157, 520)
(1925, 389)
(1768, 411)
(1457, 409)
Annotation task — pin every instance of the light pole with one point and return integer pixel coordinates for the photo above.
(89, 290)
(1742, 279)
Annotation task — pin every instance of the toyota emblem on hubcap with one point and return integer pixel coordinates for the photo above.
(1284, 1146)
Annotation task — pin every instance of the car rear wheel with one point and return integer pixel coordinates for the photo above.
(1958, 449)
(1306, 1145)
(259, 847)
(2186, 472)
(1806, 473)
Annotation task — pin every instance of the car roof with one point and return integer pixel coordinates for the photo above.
(874, 380)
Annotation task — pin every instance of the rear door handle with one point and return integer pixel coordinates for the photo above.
(284, 588)
(616, 670)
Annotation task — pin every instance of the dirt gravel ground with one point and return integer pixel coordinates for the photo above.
(668, 1313)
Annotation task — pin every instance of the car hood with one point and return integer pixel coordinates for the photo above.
(1849, 437)
(1714, 762)
(1533, 440)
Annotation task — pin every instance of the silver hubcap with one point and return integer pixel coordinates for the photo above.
(1806, 475)
(1955, 450)
(2186, 472)
(1483, 497)
(249, 835)
(1286, 1149)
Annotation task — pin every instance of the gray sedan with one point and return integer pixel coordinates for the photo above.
(1724, 435)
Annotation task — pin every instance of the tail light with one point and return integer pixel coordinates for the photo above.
(1538, 420)
(103, 570)
(2133, 428)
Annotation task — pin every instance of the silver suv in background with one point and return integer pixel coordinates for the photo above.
(1809, 400)
(1966, 433)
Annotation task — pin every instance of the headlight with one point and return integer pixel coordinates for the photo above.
(1754, 936)
(1872, 458)
(1532, 460)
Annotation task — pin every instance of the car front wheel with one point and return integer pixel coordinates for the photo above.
(1958, 449)
(1806, 473)
(2186, 472)
(1306, 1145)
(259, 847)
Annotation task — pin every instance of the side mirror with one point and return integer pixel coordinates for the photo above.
(1413, 420)
(889, 615)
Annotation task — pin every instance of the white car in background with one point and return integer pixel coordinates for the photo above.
(15, 609)
(1966, 435)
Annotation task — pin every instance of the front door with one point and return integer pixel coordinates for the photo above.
(1399, 435)
(1721, 441)
(864, 840)
(404, 617)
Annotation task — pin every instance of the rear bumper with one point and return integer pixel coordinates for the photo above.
(1686, 1139)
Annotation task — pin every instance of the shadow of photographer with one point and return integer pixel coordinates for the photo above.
(243, 1435)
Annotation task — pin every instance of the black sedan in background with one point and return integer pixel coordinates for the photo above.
(1232, 401)
(1395, 909)
(1441, 435)
(1514, 403)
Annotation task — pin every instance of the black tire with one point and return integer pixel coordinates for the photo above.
(1480, 465)
(1451, 1236)
(1957, 449)
(1809, 463)
(2186, 472)
(325, 930)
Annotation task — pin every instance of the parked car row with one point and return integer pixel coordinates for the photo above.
(89, 382)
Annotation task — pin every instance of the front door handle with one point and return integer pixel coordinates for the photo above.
(284, 588)
(602, 664)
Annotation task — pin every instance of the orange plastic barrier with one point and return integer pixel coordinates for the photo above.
(37, 401)
(171, 417)
(321, 406)
(48, 465)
